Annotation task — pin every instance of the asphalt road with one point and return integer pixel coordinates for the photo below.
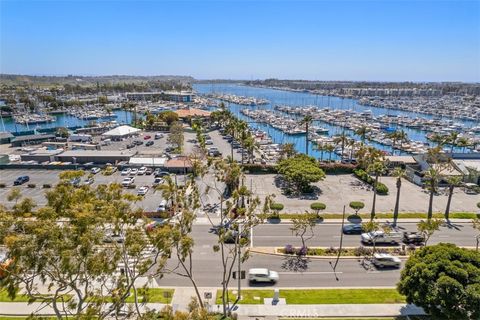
(350, 272)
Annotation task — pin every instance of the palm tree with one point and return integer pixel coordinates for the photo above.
(351, 144)
(377, 168)
(463, 142)
(362, 132)
(399, 173)
(321, 147)
(453, 182)
(169, 192)
(330, 148)
(452, 139)
(307, 120)
(433, 176)
(402, 136)
(438, 139)
(341, 139)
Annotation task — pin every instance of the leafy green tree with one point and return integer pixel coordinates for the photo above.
(15, 194)
(176, 137)
(373, 226)
(428, 227)
(299, 171)
(443, 280)
(63, 132)
(169, 117)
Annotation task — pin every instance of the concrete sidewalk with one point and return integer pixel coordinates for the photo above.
(325, 310)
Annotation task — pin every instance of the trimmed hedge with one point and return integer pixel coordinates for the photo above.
(2, 185)
(31, 185)
(259, 168)
(337, 168)
(365, 177)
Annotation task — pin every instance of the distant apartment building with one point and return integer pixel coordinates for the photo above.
(174, 96)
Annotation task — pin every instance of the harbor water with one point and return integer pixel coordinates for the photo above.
(301, 99)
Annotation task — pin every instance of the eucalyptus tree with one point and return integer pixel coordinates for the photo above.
(64, 247)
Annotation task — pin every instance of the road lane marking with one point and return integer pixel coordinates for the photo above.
(443, 236)
(282, 236)
(309, 272)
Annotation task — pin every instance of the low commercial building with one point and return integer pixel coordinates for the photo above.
(95, 156)
(121, 132)
(41, 155)
(179, 165)
(31, 139)
(6, 137)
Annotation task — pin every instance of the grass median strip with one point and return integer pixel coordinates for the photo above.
(405, 215)
(320, 296)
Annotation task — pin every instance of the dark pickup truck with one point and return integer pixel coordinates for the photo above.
(413, 238)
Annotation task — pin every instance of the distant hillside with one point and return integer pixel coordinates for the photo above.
(86, 80)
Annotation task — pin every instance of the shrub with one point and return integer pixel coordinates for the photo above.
(337, 168)
(478, 205)
(47, 186)
(357, 206)
(31, 185)
(276, 207)
(273, 216)
(362, 251)
(289, 249)
(2, 185)
(302, 251)
(365, 177)
(381, 188)
(317, 207)
(259, 168)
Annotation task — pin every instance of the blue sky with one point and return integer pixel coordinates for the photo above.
(324, 40)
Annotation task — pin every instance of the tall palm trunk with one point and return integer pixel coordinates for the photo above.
(306, 137)
(397, 201)
(430, 201)
(321, 155)
(372, 214)
(449, 201)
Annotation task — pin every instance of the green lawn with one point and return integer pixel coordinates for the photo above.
(404, 215)
(322, 296)
(154, 295)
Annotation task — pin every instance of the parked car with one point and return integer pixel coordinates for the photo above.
(142, 171)
(162, 207)
(381, 237)
(143, 190)
(158, 136)
(130, 146)
(138, 142)
(75, 182)
(95, 170)
(157, 181)
(161, 173)
(146, 137)
(149, 171)
(134, 171)
(208, 142)
(352, 229)
(112, 236)
(413, 238)
(126, 171)
(128, 181)
(213, 152)
(382, 260)
(262, 275)
(88, 181)
(149, 143)
(21, 180)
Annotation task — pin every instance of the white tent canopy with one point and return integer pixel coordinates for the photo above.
(121, 131)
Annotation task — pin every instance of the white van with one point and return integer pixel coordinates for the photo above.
(162, 207)
(262, 275)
